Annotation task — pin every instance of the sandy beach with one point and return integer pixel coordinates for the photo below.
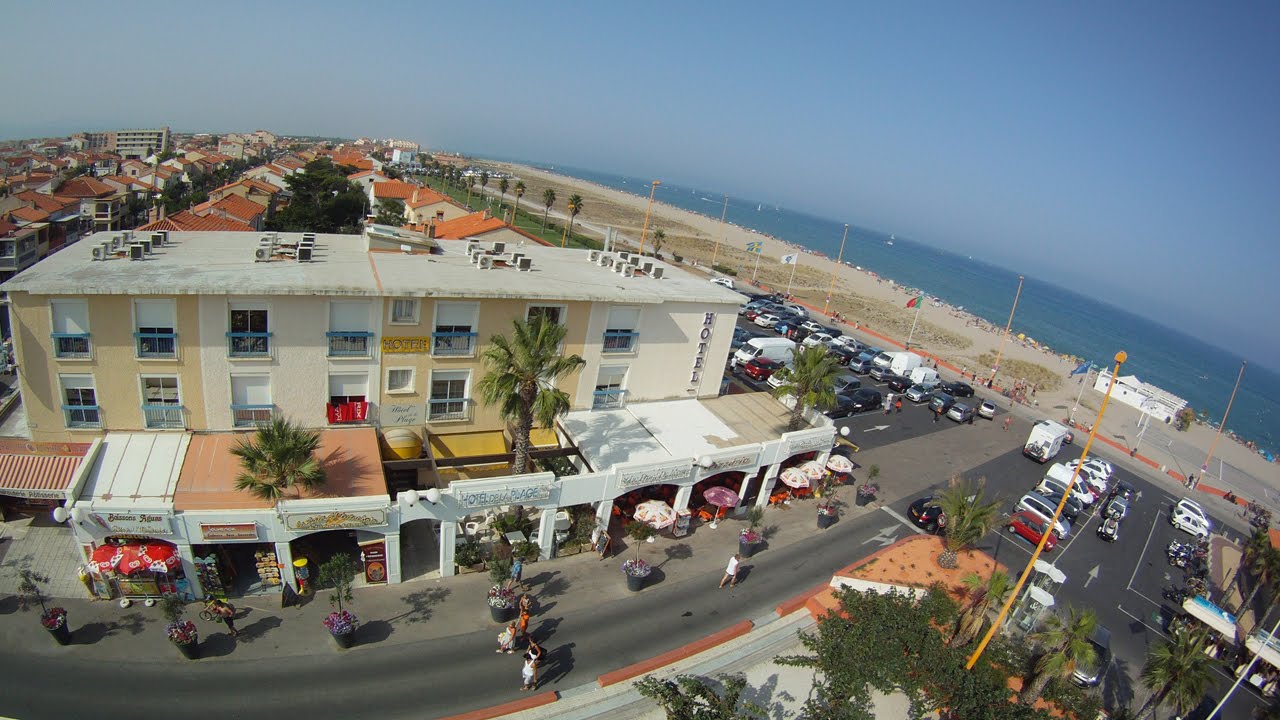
(875, 308)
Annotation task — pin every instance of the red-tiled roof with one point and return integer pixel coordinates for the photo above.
(29, 215)
(232, 206)
(394, 190)
(467, 225)
(85, 187)
(6, 227)
(186, 221)
(423, 196)
(44, 202)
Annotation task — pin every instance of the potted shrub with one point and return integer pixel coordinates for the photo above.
(181, 632)
(54, 620)
(526, 551)
(866, 493)
(31, 593)
(828, 513)
(636, 570)
(501, 599)
(469, 558)
(749, 539)
(339, 571)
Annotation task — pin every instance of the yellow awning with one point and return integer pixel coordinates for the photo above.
(543, 437)
(472, 444)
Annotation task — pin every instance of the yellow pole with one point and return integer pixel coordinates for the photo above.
(716, 253)
(649, 207)
(996, 367)
(565, 238)
(1121, 357)
(827, 306)
(1205, 467)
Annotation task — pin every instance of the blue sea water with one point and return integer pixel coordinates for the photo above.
(1066, 321)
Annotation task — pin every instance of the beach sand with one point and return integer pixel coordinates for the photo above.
(874, 309)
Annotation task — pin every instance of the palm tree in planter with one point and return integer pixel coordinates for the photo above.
(811, 380)
(635, 568)
(867, 491)
(339, 572)
(181, 632)
(984, 594)
(501, 598)
(520, 378)
(1067, 647)
(31, 593)
(750, 537)
(967, 517)
(281, 457)
(1177, 671)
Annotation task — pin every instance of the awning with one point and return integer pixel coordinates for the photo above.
(1267, 651)
(543, 437)
(42, 477)
(1212, 615)
(473, 444)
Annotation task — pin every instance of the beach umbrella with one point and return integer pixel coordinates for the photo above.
(794, 477)
(721, 497)
(813, 470)
(839, 464)
(103, 558)
(129, 560)
(160, 557)
(655, 513)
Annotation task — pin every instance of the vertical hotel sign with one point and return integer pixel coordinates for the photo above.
(704, 340)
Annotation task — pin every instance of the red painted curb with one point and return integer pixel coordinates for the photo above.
(786, 607)
(525, 703)
(680, 653)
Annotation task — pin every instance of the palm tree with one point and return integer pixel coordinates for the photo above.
(575, 207)
(503, 186)
(1261, 561)
(519, 193)
(811, 379)
(520, 379)
(1067, 646)
(280, 457)
(984, 594)
(471, 183)
(1178, 671)
(484, 179)
(967, 517)
(548, 199)
(659, 237)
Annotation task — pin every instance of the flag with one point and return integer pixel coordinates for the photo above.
(917, 300)
(1083, 368)
(756, 246)
(790, 259)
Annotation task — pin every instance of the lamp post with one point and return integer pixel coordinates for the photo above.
(826, 307)
(647, 208)
(1205, 467)
(1143, 423)
(996, 367)
(716, 253)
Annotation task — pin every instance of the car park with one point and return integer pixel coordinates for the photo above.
(941, 403)
(767, 320)
(896, 383)
(1031, 527)
(1095, 466)
(865, 399)
(1088, 673)
(957, 389)
(860, 366)
(1037, 503)
(760, 368)
(1189, 517)
(919, 394)
(1071, 509)
(818, 338)
(926, 513)
(961, 413)
(845, 384)
(987, 410)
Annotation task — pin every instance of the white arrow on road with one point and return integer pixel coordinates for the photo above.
(1093, 575)
(877, 427)
(885, 537)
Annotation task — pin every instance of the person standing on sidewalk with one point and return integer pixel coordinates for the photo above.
(517, 568)
(1007, 422)
(529, 675)
(888, 403)
(731, 572)
(225, 612)
(507, 640)
(524, 625)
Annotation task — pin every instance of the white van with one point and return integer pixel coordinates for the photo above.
(1079, 491)
(1062, 473)
(1045, 441)
(723, 282)
(775, 348)
(1038, 504)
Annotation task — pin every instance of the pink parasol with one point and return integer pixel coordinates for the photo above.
(721, 497)
(794, 477)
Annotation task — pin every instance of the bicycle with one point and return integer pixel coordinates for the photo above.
(208, 615)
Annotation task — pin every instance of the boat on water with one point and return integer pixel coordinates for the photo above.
(891, 239)
(759, 206)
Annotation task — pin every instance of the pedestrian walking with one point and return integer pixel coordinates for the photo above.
(731, 572)
(507, 639)
(888, 403)
(1007, 422)
(226, 612)
(532, 660)
(517, 568)
(937, 414)
(897, 405)
(526, 603)
(523, 628)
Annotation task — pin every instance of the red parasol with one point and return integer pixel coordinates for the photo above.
(160, 557)
(129, 560)
(103, 558)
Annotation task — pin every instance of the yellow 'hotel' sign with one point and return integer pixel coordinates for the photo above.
(406, 344)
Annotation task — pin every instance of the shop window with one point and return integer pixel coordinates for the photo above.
(161, 403)
(248, 335)
(251, 400)
(610, 391)
(449, 396)
(455, 330)
(400, 380)
(349, 334)
(70, 329)
(80, 402)
(404, 311)
(348, 399)
(620, 334)
(155, 336)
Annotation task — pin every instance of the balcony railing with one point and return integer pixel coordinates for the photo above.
(156, 344)
(620, 341)
(248, 344)
(349, 344)
(71, 345)
(163, 417)
(251, 415)
(456, 344)
(449, 409)
(606, 399)
(82, 416)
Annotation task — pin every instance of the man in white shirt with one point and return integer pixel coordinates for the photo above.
(731, 572)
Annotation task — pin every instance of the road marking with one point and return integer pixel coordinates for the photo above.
(885, 537)
(876, 428)
(1150, 534)
(910, 525)
(1093, 575)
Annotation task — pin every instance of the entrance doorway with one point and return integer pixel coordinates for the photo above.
(420, 549)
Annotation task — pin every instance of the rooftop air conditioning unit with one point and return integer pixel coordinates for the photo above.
(102, 252)
(471, 248)
(657, 273)
(157, 239)
(515, 258)
(634, 260)
(628, 271)
(624, 255)
(128, 236)
(593, 256)
(604, 260)
(484, 262)
(117, 241)
(647, 268)
(499, 248)
(304, 253)
(525, 264)
(136, 252)
(617, 267)
(146, 246)
(262, 254)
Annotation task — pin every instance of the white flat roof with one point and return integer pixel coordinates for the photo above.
(223, 263)
(136, 470)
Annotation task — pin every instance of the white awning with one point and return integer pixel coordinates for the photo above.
(1215, 617)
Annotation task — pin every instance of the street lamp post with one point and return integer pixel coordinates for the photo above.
(716, 253)
(1000, 351)
(1143, 423)
(649, 207)
(1205, 467)
(826, 307)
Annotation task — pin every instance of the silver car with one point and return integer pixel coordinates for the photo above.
(919, 393)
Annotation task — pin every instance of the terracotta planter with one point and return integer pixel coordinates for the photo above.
(635, 583)
(191, 650)
(61, 634)
(467, 569)
(346, 639)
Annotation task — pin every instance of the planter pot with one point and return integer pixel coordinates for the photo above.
(500, 615)
(466, 569)
(826, 520)
(635, 583)
(569, 550)
(190, 651)
(346, 639)
(62, 634)
(747, 549)
(861, 500)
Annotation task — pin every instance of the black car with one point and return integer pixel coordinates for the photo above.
(926, 513)
(896, 383)
(957, 389)
(941, 402)
(1124, 490)
(1070, 511)
(864, 399)
(842, 355)
(843, 407)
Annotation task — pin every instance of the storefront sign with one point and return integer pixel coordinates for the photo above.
(374, 556)
(489, 493)
(35, 494)
(143, 524)
(655, 475)
(733, 462)
(704, 339)
(229, 531)
(814, 440)
(335, 520)
(400, 414)
(406, 344)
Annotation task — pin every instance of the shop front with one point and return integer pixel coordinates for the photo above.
(136, 568)
(361, 530)
(234, 558)
(35, 477)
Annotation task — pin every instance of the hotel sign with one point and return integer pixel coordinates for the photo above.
(704, 339)
(229, 531)
(402, 414)
(133, 523)
(655, 475)
(819, 439)
(505, 491)
(406, 344)
(335, 520)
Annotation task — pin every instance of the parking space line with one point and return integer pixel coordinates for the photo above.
(1141, 621)
(1150, 534)
(895, 515)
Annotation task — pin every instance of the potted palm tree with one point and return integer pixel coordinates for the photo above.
(810, 380)
(965, 517)
(868, 490)
(749, 539)
(31, 593)
(180, 631)
(279, 458)
(339, 571)
(636, 569)
(501, 598)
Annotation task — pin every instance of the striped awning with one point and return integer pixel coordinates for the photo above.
(42, 477)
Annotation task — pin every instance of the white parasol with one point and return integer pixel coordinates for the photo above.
(813, 470)
(656, 514)
(794, 477)
(840, 464)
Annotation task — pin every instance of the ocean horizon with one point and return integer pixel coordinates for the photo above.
(1056, 317)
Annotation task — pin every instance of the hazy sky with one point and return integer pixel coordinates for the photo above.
(1128, 150)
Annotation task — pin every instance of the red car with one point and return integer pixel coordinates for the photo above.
(752, 314)
(760, 368)
(1031, 528)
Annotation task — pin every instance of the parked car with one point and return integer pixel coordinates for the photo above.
(896, 383)
(987, 410)
(846, 384)
(957, 389)
(941, 402)
(842, 355)
(850, 343)
(1189, 517)
(926, 514)
(760, 368)
(1109, 529)
(1071, 510)
(776, 380)
(865, 399)
(1031, 527)
(860, 366)
(767, 320)
(1117, 507)
(1124, 490)
(740, 337)
(879, 372)
(812, 326)
(1095, 466)
(1044, 507)
(818, 338)
(1089, 674)
(919, 394)
(723, 282)
(843, 408)
(961, 413)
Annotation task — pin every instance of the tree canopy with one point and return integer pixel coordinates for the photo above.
(323, 201)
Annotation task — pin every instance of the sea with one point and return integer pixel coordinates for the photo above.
(1055, 316)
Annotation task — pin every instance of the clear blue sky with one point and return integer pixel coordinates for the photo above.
(1129, 150)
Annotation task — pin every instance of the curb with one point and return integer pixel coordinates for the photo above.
(514, 706)
(786, 607)
(673, 656)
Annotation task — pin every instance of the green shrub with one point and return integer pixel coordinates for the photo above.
(468, 554)
(725, 270)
